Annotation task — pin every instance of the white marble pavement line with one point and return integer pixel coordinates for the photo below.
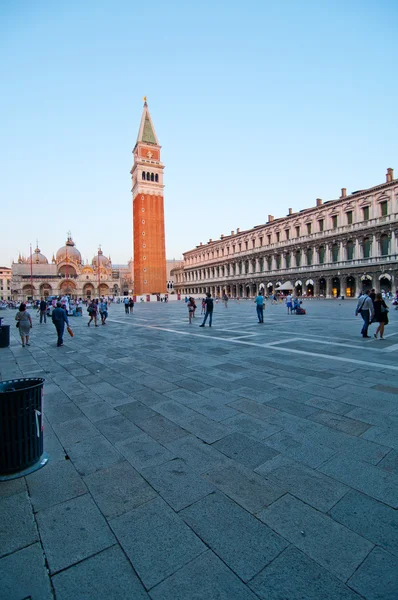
(285, 350)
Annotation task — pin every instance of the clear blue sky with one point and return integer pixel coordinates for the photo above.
(259, 106)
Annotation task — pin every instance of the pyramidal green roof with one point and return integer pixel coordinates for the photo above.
(147, 132)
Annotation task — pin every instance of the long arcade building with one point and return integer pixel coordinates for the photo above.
(338, 247)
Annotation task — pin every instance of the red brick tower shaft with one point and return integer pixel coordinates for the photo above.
(148, 211)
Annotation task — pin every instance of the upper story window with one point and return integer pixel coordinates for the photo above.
(383, 208)
(253, 243)
(233, 248)
(261, 241)
(247, 245)
(365, 213)
(321, 224)
(349, 217)
(309, 228)
(278, 236)
(287, 234)
(334, 222)
(240, 247)
(298, 231)
(269, 238)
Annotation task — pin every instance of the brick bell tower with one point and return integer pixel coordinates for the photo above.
(148, 211)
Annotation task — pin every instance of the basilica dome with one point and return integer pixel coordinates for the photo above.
(69, 251)
(38, 258)
(103, 260)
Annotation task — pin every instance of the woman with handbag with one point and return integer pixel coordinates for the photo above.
(24, 324)
(381, 315)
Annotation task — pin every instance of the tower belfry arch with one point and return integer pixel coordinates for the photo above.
(148, 210)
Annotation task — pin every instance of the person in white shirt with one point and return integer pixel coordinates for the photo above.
(366, 310)
(289, 303)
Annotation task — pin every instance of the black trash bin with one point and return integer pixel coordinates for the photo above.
(21, 427)
(4, 335)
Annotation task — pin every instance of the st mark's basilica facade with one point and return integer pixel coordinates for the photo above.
(338, 247)
(67, 274)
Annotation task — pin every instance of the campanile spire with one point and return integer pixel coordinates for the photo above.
(148, 210)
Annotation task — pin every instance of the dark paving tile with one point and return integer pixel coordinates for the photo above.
(93, 454)
(390, 462)
(24, 575)
(118, 489)
(377, 577)
(156, 540)
(371, 519)
(248, 489)
(136, 411)
(105, 575)
(245, 450)
(305, 483)
(177, 483)
(340, 423)
(17, 525)
(324, 540)
(72, 531)
(199, 456)
(56, 482)
(366, 478)
(75, 430)
(204, 577)
(239, 539)
(292, 575)
(117, 429)
(161, 429)
(143, 451)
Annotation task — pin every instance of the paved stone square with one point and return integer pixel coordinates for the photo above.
(240, 461)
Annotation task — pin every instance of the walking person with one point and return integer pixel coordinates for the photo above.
(380, 315)
(131, 305)
(259, 302)
(209, 310)
(92, 311)
(366, 310)
(103, 308)
(24, 324)
(202, 312)
(59, 318)
(43, 310)
(126, 305)
(191, 309)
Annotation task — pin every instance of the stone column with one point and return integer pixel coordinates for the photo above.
(342, 252)
(393, 244)
(329, 287)
(375, 247)
(250, 267)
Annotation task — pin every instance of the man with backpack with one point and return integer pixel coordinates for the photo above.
(209, 310)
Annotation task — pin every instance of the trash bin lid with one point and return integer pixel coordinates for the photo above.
(15, 385)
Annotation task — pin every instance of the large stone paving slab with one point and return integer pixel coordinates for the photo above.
(156, 540)
(245, 544)
(177, 483)
(72, 531)
(377, 577)
(23, 574)
(205, 578)
(106, 575)
(324, 540)
(17, 525)
(293, 575)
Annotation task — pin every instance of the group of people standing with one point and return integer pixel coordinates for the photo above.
(128, 305)
(373, 309)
